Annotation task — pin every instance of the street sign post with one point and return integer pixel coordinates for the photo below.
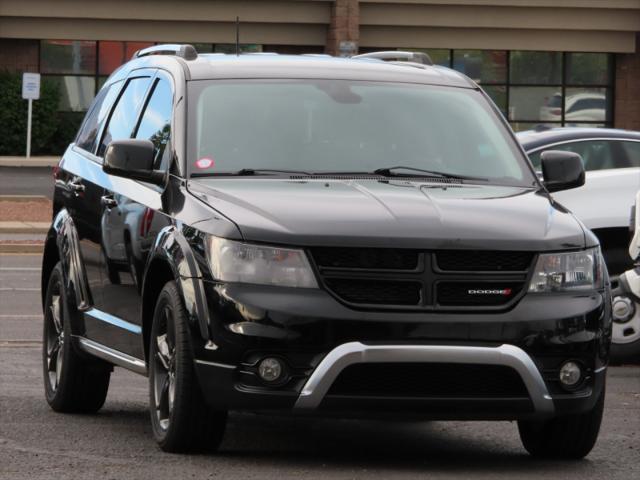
(30, 92)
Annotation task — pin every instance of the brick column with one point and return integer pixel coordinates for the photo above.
(627, 101)
(344, 30)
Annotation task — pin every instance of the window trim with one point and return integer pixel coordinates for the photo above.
(149, 73)
(160, 75)
(580, 140)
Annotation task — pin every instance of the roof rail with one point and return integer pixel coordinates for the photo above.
(186, 51)
(393, 55)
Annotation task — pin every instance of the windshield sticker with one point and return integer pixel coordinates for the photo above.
(204, 162)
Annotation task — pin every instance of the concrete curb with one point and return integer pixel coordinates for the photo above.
(23, 198)
(29, 162)
(24, 227)
(21, 248)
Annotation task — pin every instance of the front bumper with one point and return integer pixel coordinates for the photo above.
(318, 338)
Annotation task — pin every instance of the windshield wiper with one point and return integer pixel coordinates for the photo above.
(392, 172)
(250, 171)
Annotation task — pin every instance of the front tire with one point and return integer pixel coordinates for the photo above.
(568, 437)
(72, 384)
(180, 419)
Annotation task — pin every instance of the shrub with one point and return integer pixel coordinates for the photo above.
(13, 116)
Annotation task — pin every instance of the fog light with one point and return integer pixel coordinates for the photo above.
(270, 369)
(570, 374)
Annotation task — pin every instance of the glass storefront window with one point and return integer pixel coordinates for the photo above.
(539, 126)
(203, 47)
(535, 103)
(231, 48)
(483, 66)
(113, 54)
(498, 94)
(76, 92)
(439, 56)
(588, 68)
(68, 56)
(587, 105)
(535, 68)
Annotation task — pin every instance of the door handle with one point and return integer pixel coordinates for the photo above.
(76, 187)
(108, 202)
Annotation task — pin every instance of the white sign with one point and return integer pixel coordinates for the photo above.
(31, 86)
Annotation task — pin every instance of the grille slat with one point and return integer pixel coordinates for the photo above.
(366, 258)
(483, 261)
(429, 380)
(374, 292)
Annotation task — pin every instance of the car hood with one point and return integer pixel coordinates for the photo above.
(394, 213)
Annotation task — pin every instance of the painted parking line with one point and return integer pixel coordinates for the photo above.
(20, 269)
(20, 343)
(18, 289)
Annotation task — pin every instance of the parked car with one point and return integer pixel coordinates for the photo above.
(612, 163)
(330, 237)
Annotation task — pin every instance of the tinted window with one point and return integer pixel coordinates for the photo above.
(94, 120)
(155, 124)
(596, 154)
(632, 151)
(124, 116)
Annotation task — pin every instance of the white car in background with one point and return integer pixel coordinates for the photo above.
(612, 163)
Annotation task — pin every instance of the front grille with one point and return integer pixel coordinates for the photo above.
(429, 380)
(374, 292)
(483, 261)
(476, 293)
(366, 258)
(409, 279)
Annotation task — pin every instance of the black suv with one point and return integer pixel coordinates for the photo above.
(315, 235)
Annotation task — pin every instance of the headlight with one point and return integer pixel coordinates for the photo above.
(232, 261)
(559, 272)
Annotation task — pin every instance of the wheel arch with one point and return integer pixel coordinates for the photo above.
(171, 259)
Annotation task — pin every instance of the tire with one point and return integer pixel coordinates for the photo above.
(569, 437)
(72, 383)
(181, 421)
(625, 337)
(625, 352)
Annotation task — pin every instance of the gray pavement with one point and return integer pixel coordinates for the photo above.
(26, 181)
(36, 443)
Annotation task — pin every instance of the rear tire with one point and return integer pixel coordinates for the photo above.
(569, 437)
(180, 419)
(72, 383)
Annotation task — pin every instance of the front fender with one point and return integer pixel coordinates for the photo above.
(62, 241)
(172, 249)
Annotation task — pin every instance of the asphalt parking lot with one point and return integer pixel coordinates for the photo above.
(37, 443)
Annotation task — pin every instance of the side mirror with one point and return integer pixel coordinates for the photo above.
(133, 159)
(561, 170)
(634, 246)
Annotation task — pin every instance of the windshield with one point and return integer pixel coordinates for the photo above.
(348, 126)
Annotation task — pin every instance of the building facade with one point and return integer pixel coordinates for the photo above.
(544, 62)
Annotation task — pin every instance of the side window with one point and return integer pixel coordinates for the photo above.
(88, 133)
(124, 115)
(596, 154)
(632, 151)
(155, 124)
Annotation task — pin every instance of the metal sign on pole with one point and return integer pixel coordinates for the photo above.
(30, 92)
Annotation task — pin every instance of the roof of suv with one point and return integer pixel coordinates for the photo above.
(265, 65)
